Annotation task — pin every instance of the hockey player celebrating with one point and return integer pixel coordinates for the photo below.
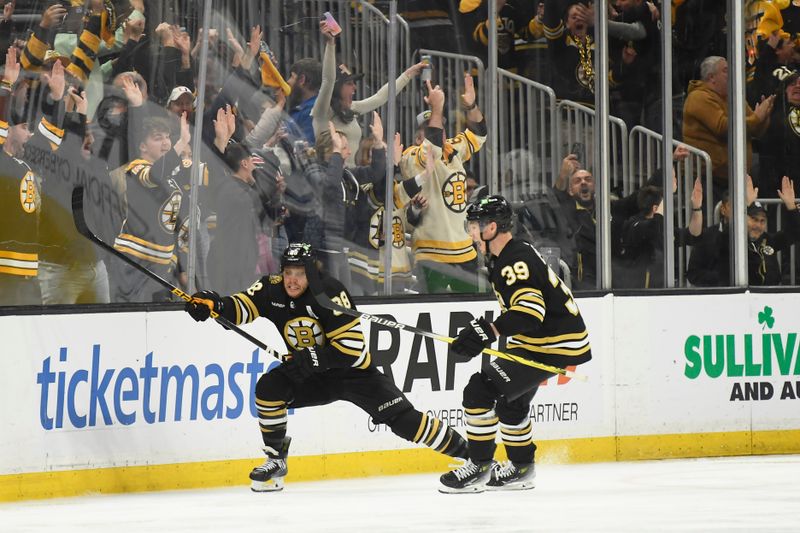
(328, 360)
(542, 323)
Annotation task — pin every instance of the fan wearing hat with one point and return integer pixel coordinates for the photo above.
(780, 148)
(709, 264)
(335, 101)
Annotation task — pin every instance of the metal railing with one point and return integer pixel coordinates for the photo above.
(645, 147)
(575, 124)
(448, 72)
(526, 144)
(645, 153)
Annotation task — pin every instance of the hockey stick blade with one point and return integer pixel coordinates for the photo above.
(79, 217)
(324, 300)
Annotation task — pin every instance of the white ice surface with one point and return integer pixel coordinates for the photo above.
(728, 494)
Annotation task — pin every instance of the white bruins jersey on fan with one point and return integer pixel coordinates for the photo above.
(543, 321)
(302, 321)
(441, 236)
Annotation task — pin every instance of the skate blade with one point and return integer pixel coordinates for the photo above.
(525, 485)
(472, 489)
(271, 485)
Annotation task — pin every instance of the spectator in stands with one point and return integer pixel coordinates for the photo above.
(341, 188)
(443, 250)
(335, 101)
(431, 25)
(20, 188)
(643, 237)
(70, 267)
(780, 149)
(571, 48)
(305, 77)
(634, 36)
(149, 232)
(233, 255)
(705, 119)
(366, 237)
(514, 18)
(709, 264)
(777, 59)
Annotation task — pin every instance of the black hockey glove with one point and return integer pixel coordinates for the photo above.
(202, 303)
(474, 338)
(302, 364)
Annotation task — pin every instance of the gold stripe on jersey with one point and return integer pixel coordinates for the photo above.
(554, 33)
(146, 250)
(272, 415)
(268, 403)
(34, 52)
(517, 434)
(346, 327)
(246, 310)
(528, 300)
(51, 132)
(571, 347)
(3, 132)
(470, 139)
(422, 425)
(19, 264)
(481, 424)
(443, 251)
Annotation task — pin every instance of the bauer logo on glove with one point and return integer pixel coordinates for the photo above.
(474, 338)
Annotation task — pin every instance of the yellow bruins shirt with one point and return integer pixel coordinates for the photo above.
(302, 321)
(441, 236)
(538, 314)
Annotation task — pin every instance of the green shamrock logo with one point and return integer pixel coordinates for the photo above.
(765, 317)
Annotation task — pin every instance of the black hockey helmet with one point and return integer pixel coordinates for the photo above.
(494, 208)
(297, 254)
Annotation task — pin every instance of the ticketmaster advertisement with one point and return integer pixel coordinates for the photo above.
(134, 389)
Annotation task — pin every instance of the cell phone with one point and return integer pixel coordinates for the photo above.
(579, 150)
(427, 69)
(331, 23)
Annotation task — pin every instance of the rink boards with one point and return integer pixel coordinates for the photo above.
(148, 401)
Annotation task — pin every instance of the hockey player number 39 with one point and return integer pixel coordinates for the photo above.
(518, 271)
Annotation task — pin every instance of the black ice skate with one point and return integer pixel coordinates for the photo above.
(471, 477)
(512, 476)
(269, 476)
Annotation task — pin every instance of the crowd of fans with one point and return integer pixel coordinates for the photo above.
(291, 153)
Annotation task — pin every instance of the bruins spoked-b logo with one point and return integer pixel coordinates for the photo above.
(302, 332)
(454, 192)
(27, 193)
(794, 120)
(376, 228)
(169, 212)
(398, 235)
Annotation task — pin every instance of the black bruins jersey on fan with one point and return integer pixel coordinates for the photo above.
(154, 204)
(302, 321)
(21, 199)
(539, 315)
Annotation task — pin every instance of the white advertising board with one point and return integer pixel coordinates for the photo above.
(135, 389)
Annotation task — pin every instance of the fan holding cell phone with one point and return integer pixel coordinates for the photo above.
(336, 100)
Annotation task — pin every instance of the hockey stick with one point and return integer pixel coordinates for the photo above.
(324, 300)
(79, 218)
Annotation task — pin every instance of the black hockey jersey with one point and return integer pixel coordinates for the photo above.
(539, 315)
(302, 321)
(154, 204)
